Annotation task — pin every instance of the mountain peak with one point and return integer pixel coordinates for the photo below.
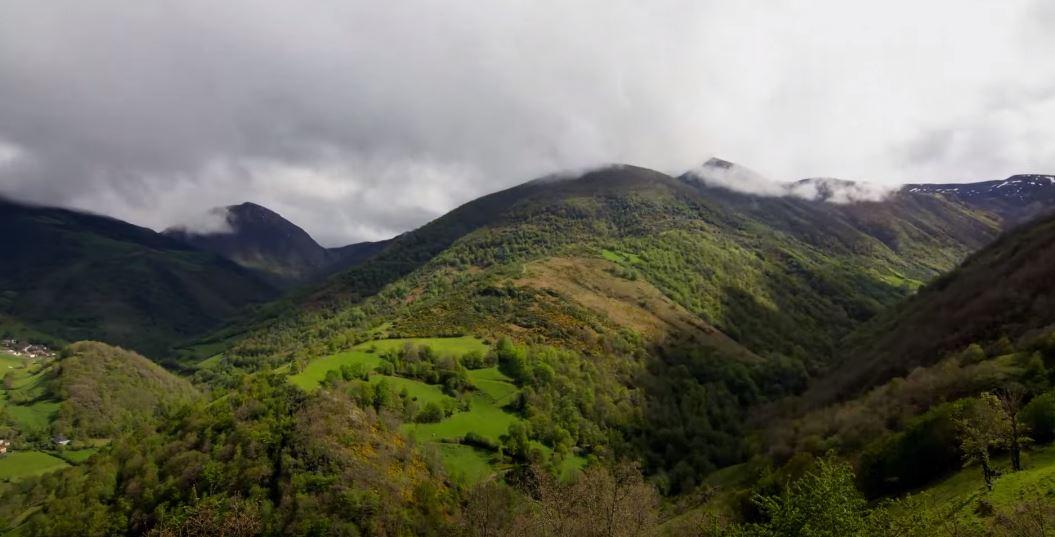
(249, 213)
(259, 238)
(715, 162)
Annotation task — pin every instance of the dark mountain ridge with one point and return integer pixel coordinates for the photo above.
(262, 240)
(1016, 200)
(82, 276)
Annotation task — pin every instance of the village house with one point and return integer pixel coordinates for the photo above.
(4, 444)
(60, 440)
(28, 350)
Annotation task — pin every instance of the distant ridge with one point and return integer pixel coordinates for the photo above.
(262, 240)
(1015, 200)
(81, 276)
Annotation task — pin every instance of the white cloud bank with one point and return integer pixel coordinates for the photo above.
(358, 119)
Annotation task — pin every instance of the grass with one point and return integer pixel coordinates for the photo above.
(26, 463)
(484, 418)
(77, 456)
(368, 355)
(465, 464)
(210, 362)
(35, 416)
(620, 257)
(960, 493)
(488, 373)
(441, 345)
(417, 390)
(8, 362)
(570, 465)
(39, 413)
(494, 384)
(315, 372)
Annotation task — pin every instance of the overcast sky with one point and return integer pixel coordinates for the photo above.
(361, 119)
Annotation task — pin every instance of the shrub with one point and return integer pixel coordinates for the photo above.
(431, 413)
(1039, 417)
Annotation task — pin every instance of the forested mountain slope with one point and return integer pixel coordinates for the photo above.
(82, 276)
(102, 389)
(60, 409)
(1006, 290)
(776, 274)
(620, 315)
(675, 306)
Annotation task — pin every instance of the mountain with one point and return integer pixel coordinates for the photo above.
(1015, 200)
(90, 391)
(1006, 290)
(81, 276)
(672, 304)
(102, 389)
(907, 383)
(782, 274)
(552, 328)
(262, 240)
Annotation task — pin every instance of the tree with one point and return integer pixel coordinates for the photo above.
(824, 503)
(493, 509)
(1039, 417)
(973, 354)
(1011, 399)
(983, 427)
(431, 413)
(600, 502)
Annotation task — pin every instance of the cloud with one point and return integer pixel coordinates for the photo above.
(359, 119)
(723, 174)
(214, 220)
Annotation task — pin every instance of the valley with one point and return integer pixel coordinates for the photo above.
(716, 355)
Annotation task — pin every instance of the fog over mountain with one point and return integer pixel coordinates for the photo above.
(359, 122)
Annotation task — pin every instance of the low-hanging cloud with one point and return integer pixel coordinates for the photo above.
(723, 174)
(360, 119)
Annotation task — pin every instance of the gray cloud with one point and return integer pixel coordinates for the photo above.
(360, 119)
(722, 174)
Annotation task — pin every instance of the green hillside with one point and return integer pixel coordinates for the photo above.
(681, 295)
(103, 389)
(80, 276)
(91, 391)
(622, 342)
(469, 421)
(776, 275)
(88, 394)
(1003, 291)
(970, 359)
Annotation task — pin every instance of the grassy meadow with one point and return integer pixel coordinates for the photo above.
(22, 393)
(485, 416)
(20, 464)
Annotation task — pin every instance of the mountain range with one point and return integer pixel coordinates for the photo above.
(726, 334)
(905, 237)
